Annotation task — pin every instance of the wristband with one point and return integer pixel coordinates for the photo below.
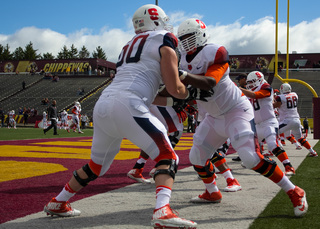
(169, 102)
(188, 94)
(182, 74)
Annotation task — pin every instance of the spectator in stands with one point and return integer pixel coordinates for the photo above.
(2, 117)
(280, 68)
(45, 101)
(20, 112)
(89, 70)
(55, 78)
(23, 85)
(80, 91)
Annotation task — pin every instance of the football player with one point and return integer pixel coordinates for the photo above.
(287, 103)
(76, 113)
(123, 111)
(228, 115)
(12, 122)
(64, 120)
(261, 96)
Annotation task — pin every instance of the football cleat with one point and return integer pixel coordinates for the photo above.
(80, 132)
(151, 173)
(289, 170)
(206, 197)
(267, 154)
(299, 201)
(299, 147)
(233, 186)
(236, 159)
(136, 174)
(283, 142)
(313, 154)
(165, 218)
(60, 208)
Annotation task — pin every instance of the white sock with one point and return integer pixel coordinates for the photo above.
(286, 184)
(163, 194)
(212, 187)
(65, 194)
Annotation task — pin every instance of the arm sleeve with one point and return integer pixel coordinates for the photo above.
(220, 64)
(262, 93)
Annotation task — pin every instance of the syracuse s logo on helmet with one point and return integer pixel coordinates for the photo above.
(202, 25)
(153, 13)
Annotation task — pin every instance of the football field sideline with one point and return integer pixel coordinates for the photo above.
(131, 206)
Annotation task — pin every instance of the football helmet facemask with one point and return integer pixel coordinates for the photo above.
(192, 33)
(149, 18)
(254, 80)
(285, 88)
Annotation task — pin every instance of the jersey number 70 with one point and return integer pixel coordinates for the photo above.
(132, 51)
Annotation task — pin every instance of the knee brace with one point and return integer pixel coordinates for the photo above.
(277, 151)
(302, 141)
(206, 171)
(266, 167)
(90, 174)
(172, 170)
(218, 159)
(291, 139)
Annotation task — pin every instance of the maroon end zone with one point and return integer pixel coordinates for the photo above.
(22, 197)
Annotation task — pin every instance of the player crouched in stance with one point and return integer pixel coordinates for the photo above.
(228, 115)
(144, 62)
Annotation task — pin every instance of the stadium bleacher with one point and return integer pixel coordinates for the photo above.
(65, 92)
(12, 83)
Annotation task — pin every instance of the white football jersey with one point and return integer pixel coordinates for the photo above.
(64, 115)
(11, 115)
(263, 107)
(226, 93)
(289, 104)
(76, 111)
(138, 66)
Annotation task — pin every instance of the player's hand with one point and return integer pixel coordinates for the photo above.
(198, 94)
(181, 113)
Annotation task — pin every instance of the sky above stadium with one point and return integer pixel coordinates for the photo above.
(243, 27)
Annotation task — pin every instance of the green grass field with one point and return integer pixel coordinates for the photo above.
(35, 133)
(276, 213)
